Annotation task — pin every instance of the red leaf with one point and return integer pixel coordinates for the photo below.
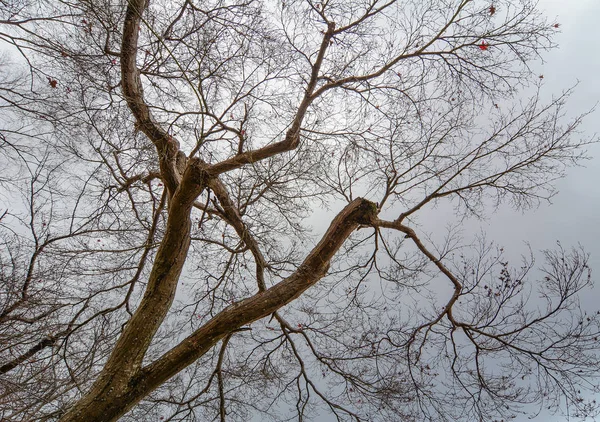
(492, 10)
(557, 25)
(483, 46)
(52, 82)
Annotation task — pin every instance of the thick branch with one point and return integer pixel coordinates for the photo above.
(166, 146)
(126, 359)
(315, 266)
(116, 399)
(292, 137)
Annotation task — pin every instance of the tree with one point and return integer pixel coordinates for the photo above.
(164, 158)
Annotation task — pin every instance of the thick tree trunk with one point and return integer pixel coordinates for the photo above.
(123, 383)
(108, 395)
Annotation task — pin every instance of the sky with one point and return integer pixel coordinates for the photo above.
(574, 216)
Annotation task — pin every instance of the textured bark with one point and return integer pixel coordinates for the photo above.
(167, 147)
(125, 361)
(123, 383)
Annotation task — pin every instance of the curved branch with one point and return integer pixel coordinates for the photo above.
(113, 399)
(410, 233)
(233, 217)
(133, 92)
(292, 137)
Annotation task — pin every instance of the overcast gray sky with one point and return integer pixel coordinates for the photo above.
(574, 215)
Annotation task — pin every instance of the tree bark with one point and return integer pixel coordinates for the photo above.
(124, 363)
(123, 383)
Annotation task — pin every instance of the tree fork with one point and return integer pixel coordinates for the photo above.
(117, 391)
(124, 363)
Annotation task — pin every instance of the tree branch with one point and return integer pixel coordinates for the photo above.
(115, 393)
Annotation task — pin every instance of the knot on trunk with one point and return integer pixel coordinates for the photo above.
(366, 212)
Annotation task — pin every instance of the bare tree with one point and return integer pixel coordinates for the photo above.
(165, 160)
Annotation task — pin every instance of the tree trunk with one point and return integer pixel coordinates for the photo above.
(123, 383)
